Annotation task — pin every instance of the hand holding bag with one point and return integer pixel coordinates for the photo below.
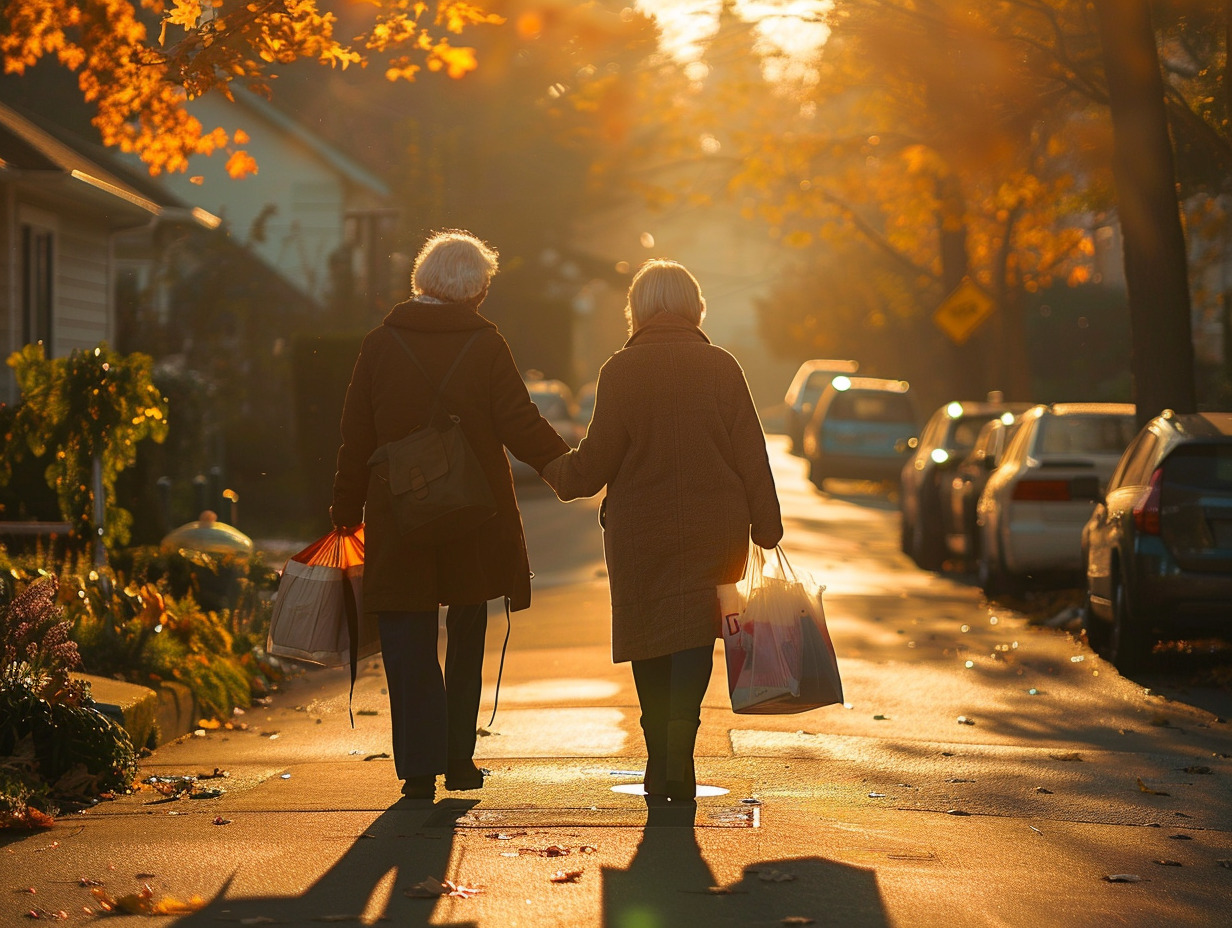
(438, 488)
(780, 659)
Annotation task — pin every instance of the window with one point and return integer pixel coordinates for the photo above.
(36, 278)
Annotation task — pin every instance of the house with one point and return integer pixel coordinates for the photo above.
(61, 215)
(311, 212)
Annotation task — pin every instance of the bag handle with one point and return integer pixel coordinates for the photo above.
(438, 389)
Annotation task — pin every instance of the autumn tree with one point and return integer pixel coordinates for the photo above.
(945, 139)
(138, 65)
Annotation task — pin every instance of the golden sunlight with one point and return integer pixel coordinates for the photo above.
(792, 29)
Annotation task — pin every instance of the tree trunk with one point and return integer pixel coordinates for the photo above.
(1162, 359)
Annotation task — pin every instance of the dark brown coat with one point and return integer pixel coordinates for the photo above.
(387, 398)
(676, 440)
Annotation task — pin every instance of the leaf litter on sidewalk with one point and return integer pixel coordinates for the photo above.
(432, 888)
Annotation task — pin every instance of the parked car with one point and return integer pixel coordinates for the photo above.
(1158, 547)
(1036, 502)
(925, 481)
(812, 377)
(862, 428)
(555, 402)
(962, 536)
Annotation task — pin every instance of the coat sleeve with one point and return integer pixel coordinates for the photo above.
(592, 466)
(753, 465)
(358, 443)
(529, 437)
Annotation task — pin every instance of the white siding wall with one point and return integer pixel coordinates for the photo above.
(80, 289)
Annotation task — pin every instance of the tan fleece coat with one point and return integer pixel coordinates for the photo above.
(676, 440)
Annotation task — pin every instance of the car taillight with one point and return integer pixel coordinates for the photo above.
(1146, 510)
(1042, 491)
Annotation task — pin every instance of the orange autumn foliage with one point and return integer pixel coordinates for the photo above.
(139, 63)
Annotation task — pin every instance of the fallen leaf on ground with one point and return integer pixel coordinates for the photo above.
(956, 812)
(1043, 791)
(376, 756)
(1165, 862)
(86, 881)
(1072, 756)
(59, 915)
(881, 718)
(144, 903)
(566, 876)
(965, 720)
(216, 775)
(432, 888)
(1199, 769)
(1123, 878)
(219, 820)
(1154, 792)
(367, 712)
(28, 891)
(1181, 837)
(145, 876)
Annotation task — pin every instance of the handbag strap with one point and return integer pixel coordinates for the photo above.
(438, 389)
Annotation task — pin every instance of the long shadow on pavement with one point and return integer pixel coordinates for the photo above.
(406, 844)
(668, 883)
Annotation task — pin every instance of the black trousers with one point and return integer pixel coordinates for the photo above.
(670, 690)
(433, 716)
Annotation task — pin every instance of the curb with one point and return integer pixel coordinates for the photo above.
(151, 717)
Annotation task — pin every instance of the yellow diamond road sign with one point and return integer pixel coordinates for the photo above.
(963, 311)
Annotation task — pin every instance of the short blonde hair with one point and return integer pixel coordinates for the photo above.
(453, 266)
(662, 286)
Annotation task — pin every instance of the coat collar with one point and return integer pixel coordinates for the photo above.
(666, 327)
(438, 317)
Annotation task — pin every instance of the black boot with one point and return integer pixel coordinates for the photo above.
(420, 787)
(463, 774)
(654, 783)
(681, 777)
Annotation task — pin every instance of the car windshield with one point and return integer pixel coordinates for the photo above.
(1078, 434)
(965, 431)
(872, 407)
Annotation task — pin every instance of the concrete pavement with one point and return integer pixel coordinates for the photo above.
(888, 812)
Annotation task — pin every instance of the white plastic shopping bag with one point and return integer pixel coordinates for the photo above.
(318, 610)
(780, 658)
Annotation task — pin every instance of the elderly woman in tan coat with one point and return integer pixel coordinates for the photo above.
(676, 441)
(439, 334)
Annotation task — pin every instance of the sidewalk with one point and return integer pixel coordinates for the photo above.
(310, 829)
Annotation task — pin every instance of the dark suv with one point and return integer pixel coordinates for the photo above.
(927, 477)
(1158, 547)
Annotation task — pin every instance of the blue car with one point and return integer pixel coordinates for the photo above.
(862, 428)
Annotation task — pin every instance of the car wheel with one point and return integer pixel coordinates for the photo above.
(1130, 643)
(927, 543)
(1096, 628)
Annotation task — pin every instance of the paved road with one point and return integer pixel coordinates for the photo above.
(884, 812)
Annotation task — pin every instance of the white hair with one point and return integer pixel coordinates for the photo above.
(453, 266)
(662, 286)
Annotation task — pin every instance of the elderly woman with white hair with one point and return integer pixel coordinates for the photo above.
(438, 340)
(676, 441)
